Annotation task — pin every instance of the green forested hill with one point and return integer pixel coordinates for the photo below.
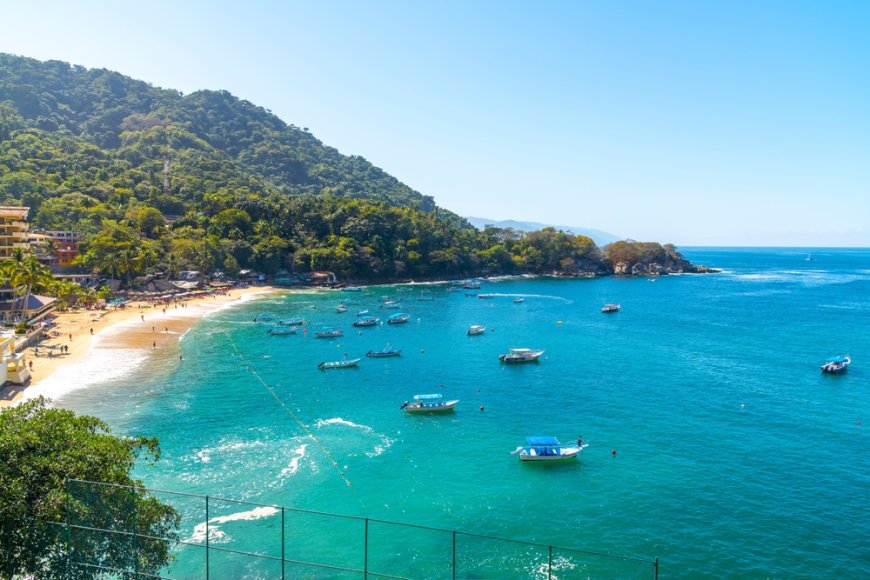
(97, 152)
(139, 124)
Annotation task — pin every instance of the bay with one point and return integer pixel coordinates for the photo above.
(716, 444)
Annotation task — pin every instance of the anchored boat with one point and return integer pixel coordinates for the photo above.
(398, 318)
(520, 355)
(433, 403)
(476, 329)
(547, 449)
(329, 333)
(338, 364)
(281, 330)
(837, 364)
(386, 352)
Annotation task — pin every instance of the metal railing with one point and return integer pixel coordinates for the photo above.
(228, 538)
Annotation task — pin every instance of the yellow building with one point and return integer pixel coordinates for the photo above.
(13, 236)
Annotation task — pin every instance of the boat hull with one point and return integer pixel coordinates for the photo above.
(383, 354)
(340, 364)
(446, 407)
(565, 454)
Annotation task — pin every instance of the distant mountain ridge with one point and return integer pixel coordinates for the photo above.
(599, 237)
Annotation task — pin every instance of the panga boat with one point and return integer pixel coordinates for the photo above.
(433, 403)
(366, 321)
(388, 351)
(398, 318)
(281, 330)
(264, 317)
(547, 449)
(610, 308)
(476, 329)
(341, 308)
(329, 333)
(486, 295)
(519, 300)
(338, 364)
(292, 322)
(837, 364)
(363, 312)
(520, 355)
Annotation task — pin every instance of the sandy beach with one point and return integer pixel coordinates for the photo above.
(140, 327)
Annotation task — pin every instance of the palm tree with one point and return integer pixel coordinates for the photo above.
(25, 277)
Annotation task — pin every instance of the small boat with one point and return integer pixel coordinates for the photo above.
(329, 333)
(837, 364)
(426, 296)
(519, 300)
(366, 321)
(547, 449)
(471, 285)
(352, 289)
(398, 318)
(433, 403)
(391, 304)
(610, 308)
(292, 322)
(264, 317)
(338, 364)
(386, 352)
(809, 258)
(520, 355)
(341, 308)
(363, 312)
(486, 295)
(281, 330)
(476, 329)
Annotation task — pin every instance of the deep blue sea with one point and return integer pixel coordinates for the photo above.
(715, 442)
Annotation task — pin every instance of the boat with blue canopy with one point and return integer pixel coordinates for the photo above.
(837, 364)
(292, 322)
(398, 318)
(433, 403)
(547, 449)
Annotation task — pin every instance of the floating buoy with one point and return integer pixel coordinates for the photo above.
(481, 407)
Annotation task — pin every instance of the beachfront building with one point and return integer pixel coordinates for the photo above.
(13, 368)
(66, 246)
(14, 237)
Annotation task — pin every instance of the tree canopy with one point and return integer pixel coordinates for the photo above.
(41, 448)
(160, 181)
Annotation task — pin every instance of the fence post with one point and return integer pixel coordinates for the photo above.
(206, 536)
(656, 569)
(549, 562)
(454, 554)
(66, 518)
(7, 541)
(366, 553)
(135, 535)
(283, 557)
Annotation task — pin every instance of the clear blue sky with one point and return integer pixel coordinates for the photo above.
(692, 122)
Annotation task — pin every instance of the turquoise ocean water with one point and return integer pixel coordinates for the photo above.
(735, 456)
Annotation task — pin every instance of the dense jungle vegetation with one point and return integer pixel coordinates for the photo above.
(94, 151)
